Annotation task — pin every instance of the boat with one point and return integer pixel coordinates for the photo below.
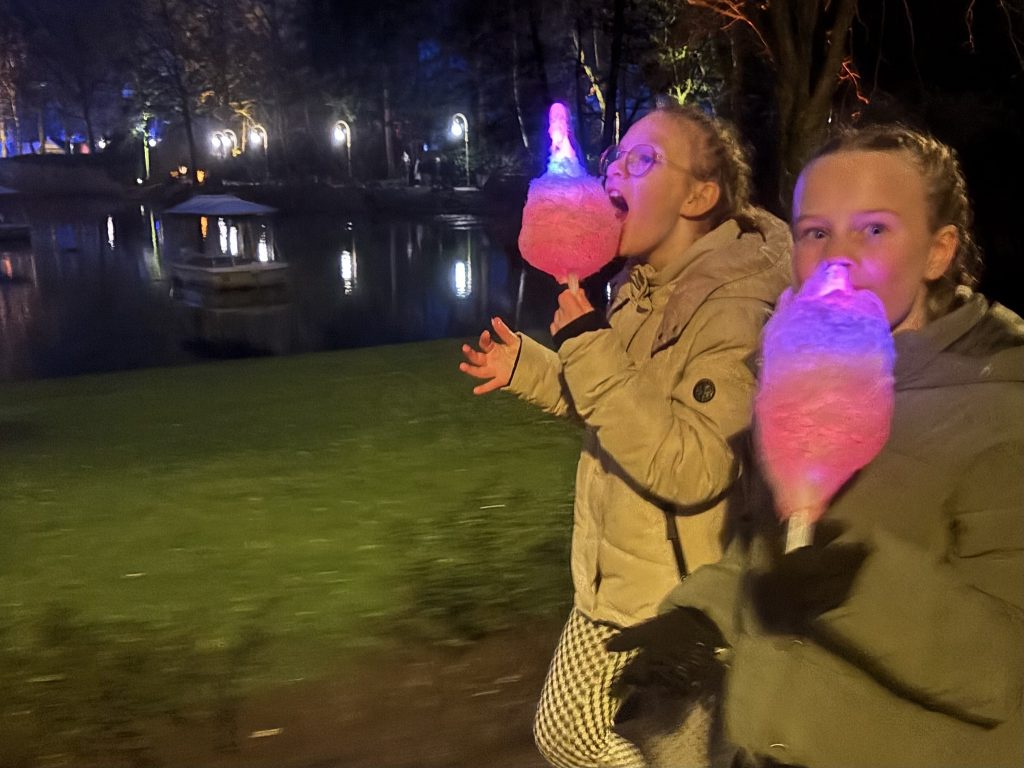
(226, 273)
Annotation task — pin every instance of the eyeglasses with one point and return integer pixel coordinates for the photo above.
(637, 160)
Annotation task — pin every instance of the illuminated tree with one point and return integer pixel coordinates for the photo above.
(172, 75)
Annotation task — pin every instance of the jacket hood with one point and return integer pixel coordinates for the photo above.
(747, 257)
(978, 342)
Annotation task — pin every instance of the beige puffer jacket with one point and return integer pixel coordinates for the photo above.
(660, 393)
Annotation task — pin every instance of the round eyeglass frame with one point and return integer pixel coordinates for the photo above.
(637, 160)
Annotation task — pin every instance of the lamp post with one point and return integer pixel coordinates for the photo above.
(258, 138)
(224, 142)
(460, 127)
(342, 134)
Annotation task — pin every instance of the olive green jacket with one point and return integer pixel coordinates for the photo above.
(923, 665)
(660, 392)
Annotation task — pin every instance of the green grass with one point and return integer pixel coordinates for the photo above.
(246, 523)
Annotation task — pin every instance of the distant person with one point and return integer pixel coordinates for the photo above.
(895, 640)
(661, 386)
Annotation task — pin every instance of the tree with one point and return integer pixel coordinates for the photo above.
(173, 72)
(12, 60)
(806, 43)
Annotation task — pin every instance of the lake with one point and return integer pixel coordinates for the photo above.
(93, 290)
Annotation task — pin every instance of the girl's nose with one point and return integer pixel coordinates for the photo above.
(839, 250)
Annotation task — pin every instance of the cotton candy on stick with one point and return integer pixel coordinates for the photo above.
(570, 228)
(825, 396)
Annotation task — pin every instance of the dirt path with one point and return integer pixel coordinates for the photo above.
(425, 708)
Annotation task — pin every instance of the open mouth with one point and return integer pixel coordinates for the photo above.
(618, 201)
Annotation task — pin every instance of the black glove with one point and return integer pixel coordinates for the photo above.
(807, 582)
(677, 652)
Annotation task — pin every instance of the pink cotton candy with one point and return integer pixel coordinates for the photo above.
(570, 228)
(825, 396)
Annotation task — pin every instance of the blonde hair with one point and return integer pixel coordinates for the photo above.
(720, 158)
(945, 190)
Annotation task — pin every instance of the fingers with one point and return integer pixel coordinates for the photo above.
(574, 302)
(473, 356)
(506, 334)
(627, 639)
(485, 342)
(487, 386)
(476, 371)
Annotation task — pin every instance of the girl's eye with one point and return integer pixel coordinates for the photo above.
(812, 233)
(874, 230)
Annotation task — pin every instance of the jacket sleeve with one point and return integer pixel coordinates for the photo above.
(948, 633)
(675, 447)
(715, 589)
(537, 377)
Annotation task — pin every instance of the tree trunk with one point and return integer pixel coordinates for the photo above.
(806, 83)
(538, 50)
(515, 77)
(611, 100)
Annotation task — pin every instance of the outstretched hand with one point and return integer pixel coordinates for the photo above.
(494, 360)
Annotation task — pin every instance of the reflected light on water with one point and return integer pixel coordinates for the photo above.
(462, 279)
(262, 247)
(153, 257)
(110, 231)
(347, 267)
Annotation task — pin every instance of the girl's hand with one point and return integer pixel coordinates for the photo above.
(493, 361)
(572, 304)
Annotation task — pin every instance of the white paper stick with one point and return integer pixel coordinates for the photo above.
(574, 282)
(799, 530)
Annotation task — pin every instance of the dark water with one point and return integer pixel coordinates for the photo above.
(93, 291)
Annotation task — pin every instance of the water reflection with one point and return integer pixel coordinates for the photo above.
(348, 266)
(99, 295)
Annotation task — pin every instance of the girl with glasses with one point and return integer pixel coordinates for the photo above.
(662, 386)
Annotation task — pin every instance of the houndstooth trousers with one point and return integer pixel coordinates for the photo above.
(573, 726)
(575, 718)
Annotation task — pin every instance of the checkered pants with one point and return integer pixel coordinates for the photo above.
(573, 726)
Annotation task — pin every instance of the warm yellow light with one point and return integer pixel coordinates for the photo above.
(200, 176)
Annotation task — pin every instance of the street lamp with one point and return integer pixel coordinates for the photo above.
(258, 136)
(342, 134)
(257, 139)
(460, 127)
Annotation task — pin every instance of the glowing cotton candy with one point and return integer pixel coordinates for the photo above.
(825, 395)
(570, 229)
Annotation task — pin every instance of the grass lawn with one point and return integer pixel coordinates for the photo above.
(234, 526)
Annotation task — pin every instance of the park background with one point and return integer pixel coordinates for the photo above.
(319, 548)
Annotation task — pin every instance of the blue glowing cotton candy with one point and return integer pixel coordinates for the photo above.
(825, 395)
(570, 228)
